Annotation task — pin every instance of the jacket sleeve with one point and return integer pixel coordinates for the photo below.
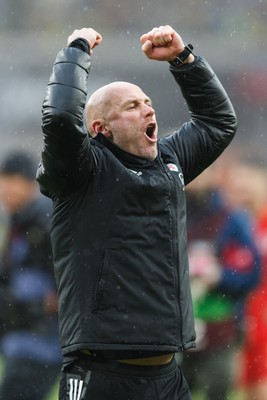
(213, 122)
(66, 149)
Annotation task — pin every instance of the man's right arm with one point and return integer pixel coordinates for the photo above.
(66, 146)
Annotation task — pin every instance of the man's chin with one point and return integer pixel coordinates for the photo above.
(152, 154)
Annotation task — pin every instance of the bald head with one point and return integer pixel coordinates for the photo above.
(123, 114)
(101, 102)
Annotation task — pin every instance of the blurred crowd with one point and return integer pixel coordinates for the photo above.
(29, 345)
(227, 247)
(215, 16)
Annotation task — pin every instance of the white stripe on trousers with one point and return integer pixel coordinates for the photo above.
(76, 386)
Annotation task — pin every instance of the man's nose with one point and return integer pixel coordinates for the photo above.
(148, 110)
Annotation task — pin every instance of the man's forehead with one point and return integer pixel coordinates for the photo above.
(116, 94)
(128, 93)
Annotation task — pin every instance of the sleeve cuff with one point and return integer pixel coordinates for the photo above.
(80, 44)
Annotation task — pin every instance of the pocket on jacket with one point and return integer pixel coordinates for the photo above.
(103, 281)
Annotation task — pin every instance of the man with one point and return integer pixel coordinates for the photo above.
(118, 223)
(29, 340)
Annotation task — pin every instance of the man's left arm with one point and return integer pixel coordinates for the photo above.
(213, 121)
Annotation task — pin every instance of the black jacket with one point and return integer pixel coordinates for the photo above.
(119, 221)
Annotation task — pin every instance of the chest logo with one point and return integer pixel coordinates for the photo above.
(172, 167)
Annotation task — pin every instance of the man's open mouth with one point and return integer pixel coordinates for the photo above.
(150, 131)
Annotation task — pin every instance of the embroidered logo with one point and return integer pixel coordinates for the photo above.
(172, 167)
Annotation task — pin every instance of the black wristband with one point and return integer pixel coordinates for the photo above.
(179, 60)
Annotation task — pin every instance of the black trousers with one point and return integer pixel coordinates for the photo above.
(86, 379)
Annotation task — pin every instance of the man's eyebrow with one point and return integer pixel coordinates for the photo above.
(148, 100)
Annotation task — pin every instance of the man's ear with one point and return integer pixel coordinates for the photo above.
(99, 126)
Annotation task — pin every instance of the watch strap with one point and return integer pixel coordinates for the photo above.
(179, 60)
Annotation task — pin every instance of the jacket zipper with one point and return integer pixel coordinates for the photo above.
(175, 251)
(176, 260)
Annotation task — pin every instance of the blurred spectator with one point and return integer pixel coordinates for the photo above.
(29, 332)
(224, 266)
(4, 227)
(248, 187)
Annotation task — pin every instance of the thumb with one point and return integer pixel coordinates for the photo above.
(147, 47)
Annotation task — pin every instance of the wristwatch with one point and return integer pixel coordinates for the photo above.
(179, 60)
